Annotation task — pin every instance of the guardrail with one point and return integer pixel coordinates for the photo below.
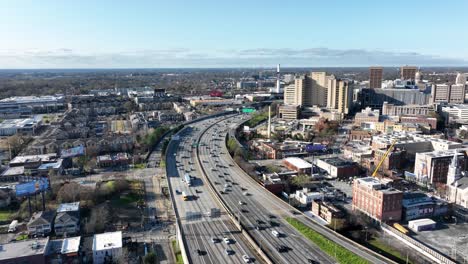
(427, 251)
(231, 215)
(328, 233)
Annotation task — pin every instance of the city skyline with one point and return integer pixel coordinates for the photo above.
(158, 34)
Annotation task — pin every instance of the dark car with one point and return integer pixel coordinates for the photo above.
(282, 249)
(274, 224)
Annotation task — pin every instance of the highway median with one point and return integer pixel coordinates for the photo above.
(341, 254)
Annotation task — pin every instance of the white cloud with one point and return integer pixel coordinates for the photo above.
(183, 57)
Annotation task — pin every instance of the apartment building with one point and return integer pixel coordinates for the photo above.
(371, 197)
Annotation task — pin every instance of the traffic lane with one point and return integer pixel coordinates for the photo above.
(239, 196)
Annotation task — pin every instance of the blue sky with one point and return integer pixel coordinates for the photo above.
(191, 33)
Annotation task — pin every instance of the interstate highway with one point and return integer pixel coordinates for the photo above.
(253, 212)
(260, 204)
(180, 159)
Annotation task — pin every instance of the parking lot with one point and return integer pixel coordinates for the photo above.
(450, 239)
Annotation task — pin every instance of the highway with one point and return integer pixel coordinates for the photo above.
(260, 212)
(199, 226)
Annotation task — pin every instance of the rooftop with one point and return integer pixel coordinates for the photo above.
(107, 240)
(68, 207)
(43, 157)
(70, 245)
(424, 221)
(338, 162)
(298, 163)
(23, 248)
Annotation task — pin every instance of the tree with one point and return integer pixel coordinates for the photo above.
(98, 219)
(69, 192)
(130, 106)
(300, 180)
(150, 258)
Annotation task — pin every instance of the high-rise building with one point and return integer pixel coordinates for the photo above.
(375, 77)
(448, 93)
(371, 197)
(318, 88)
(307, 90)
(408, 72)
(461, 79)
(339, 94)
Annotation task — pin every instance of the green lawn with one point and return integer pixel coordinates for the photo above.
(140, 166)
(397, 256)
(341, 254)
(178, 254)
(5, 215)
(22, 237)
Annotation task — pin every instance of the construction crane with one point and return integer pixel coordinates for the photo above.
(383, 158)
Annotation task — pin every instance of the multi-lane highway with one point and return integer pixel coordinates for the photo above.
(261, 213)
(280, 241)
(210, 238)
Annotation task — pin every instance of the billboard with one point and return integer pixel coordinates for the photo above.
(72, 152)
(315, 148)
(31, 187)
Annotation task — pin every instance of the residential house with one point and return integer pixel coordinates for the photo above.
(41, 223)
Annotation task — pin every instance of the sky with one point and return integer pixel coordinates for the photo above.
(234, 33)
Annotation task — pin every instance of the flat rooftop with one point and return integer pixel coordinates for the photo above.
(24, 248)
(298, 163)
(107, 241)
(68, 207)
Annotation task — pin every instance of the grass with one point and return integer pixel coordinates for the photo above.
(177, 252)
(5, 215)
(388, 251)
(128, 199)
(341, 254)
(162, 164)
(140, 166)
(22, 237)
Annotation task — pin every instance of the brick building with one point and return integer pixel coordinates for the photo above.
(372, 198)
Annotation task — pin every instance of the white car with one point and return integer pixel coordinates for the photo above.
(227, 240)
(275, 233)
(241, 203)
(246, 259)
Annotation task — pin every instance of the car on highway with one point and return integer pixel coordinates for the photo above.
(260, 222)
(244, 211)
(271, 216)
(229, 251)
(227, 240)
(200, 252)
(273, 223)
(177, 191)
(214, 240)
(216, 183)
(241, 203)
(246, 259)
(275, 233)
(282, 248)
(245, 193)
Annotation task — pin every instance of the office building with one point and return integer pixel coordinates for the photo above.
(318, 88)
(408, 72)
(295, 92)
(375, 77)
(432, 168)
(18, 106)
(371, 197)
(330, 213)
(406, 110)
(366, 115)
(456, 113)
(413, 142)
(448, 93)
(375, 98)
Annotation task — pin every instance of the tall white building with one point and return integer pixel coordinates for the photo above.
(461, 79)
